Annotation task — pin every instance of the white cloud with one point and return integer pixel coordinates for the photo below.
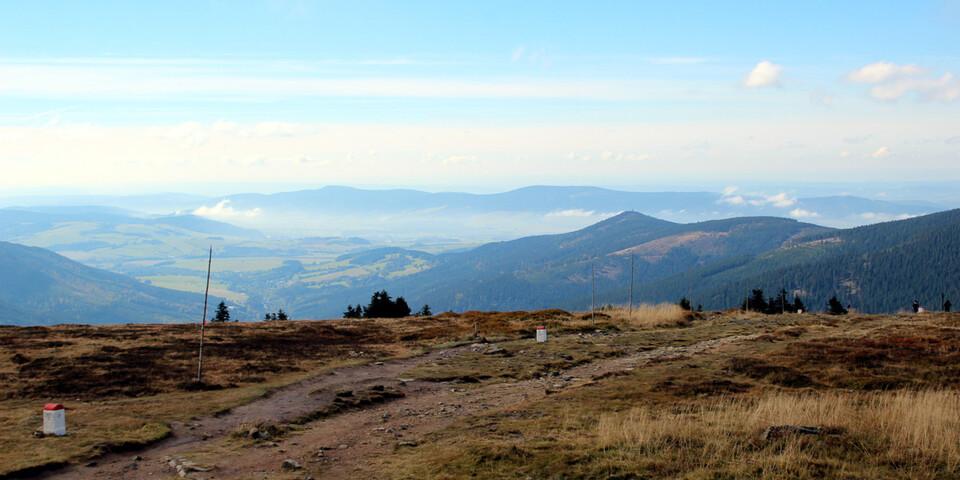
(733, 200)
(151, 81)
(781, 200)
(880, 152)
(884, 217)
(892, 82)
(223, 210)
(801, 213)
(574, 212)
(764, 74)
(729, 197)
(882, 71)
(166, 156)
(946, 88)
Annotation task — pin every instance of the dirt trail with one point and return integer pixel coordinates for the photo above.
(283, 405)
(339, 446)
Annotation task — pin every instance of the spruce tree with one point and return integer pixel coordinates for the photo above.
(798, 305)
(834, 307)
(223, 313)
(400, 308)
(756, 302)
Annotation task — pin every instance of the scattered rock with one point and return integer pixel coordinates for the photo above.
(259, 432)
(343, 446)
(137, 458)
(39, 434)
(406, 443)
(185, 467)
(291, 464)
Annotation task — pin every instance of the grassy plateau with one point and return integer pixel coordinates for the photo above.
(655, 392)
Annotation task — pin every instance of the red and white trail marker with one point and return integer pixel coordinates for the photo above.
(54, 419)
(541, 334)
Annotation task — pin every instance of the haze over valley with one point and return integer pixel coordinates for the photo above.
(312, 252)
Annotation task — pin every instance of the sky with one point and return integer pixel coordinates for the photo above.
(134, 97)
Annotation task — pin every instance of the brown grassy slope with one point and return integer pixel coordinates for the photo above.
(124, 383)
(67, 362)
(881, 388)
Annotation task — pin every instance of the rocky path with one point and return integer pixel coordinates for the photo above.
(340, 445)
(283, 405)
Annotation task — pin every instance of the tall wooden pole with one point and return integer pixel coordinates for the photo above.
(630, 310)
(203, 320)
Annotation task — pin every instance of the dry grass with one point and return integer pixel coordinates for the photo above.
(920, 430)
(883, 388)
(106, 425)
(650, 316)
(124, 382)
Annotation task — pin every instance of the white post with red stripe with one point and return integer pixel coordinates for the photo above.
(541, 334)
(54, 419)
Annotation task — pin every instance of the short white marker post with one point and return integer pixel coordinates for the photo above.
(54, 419)
(541, 334)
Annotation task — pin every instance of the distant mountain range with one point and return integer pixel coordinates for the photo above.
(39, 287)
(405, 214)
(541, 209)
(881, 267)
(25, 221)
(876, 268)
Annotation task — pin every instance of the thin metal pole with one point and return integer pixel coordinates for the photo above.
(593, 298)
(630, 310)
(203, 320)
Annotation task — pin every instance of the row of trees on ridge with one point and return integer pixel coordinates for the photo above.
(383, 306)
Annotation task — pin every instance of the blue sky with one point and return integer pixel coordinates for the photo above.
(132, 95)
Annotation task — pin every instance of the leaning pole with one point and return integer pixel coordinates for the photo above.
(203, 320)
